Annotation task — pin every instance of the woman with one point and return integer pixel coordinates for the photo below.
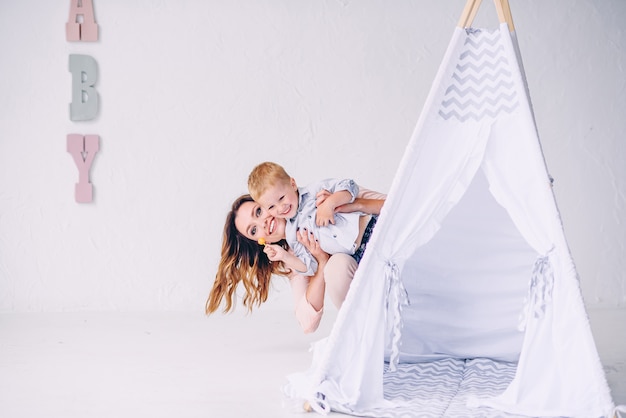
(242, 260)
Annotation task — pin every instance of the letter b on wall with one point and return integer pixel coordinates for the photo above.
(84, 71)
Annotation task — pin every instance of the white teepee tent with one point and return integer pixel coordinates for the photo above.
(467, 302)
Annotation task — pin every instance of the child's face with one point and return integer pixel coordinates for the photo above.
(281, 200)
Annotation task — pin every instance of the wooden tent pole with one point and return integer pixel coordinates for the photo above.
(472, 6)
(469, 12)
(507, 14)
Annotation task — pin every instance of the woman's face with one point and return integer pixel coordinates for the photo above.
(253, 223)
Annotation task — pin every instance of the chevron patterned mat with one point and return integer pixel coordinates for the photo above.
(442, 388)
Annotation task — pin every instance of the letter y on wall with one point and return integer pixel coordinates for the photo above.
(83, 150)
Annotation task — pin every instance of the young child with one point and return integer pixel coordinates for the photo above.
(309, 209)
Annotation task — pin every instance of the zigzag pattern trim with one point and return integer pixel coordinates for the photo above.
(441, 388)
(481, 85)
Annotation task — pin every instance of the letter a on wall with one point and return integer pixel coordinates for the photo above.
(83, 149)
(84, 71)
(81, 26)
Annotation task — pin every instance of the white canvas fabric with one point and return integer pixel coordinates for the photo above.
(468, 259)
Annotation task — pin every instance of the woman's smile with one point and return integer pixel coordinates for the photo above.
(271, 225)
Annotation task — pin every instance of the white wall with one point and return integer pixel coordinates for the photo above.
(194, 93)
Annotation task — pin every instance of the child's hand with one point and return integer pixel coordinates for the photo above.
(325, 214)
(321, 196)
(274, 252)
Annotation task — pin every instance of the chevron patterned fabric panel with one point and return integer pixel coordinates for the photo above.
(482, 84)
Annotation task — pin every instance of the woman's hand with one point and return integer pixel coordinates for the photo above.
(307, 238)
(317, 286)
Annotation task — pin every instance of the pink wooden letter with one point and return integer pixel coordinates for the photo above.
(83, 149)
(81, 25)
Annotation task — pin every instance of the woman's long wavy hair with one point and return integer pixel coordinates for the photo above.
(242, 260)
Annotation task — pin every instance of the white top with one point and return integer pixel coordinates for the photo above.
(338, 238)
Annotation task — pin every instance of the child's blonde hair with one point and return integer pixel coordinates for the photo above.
(264, 176)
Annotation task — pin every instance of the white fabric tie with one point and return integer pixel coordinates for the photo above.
(540, 292)
(397, 297)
